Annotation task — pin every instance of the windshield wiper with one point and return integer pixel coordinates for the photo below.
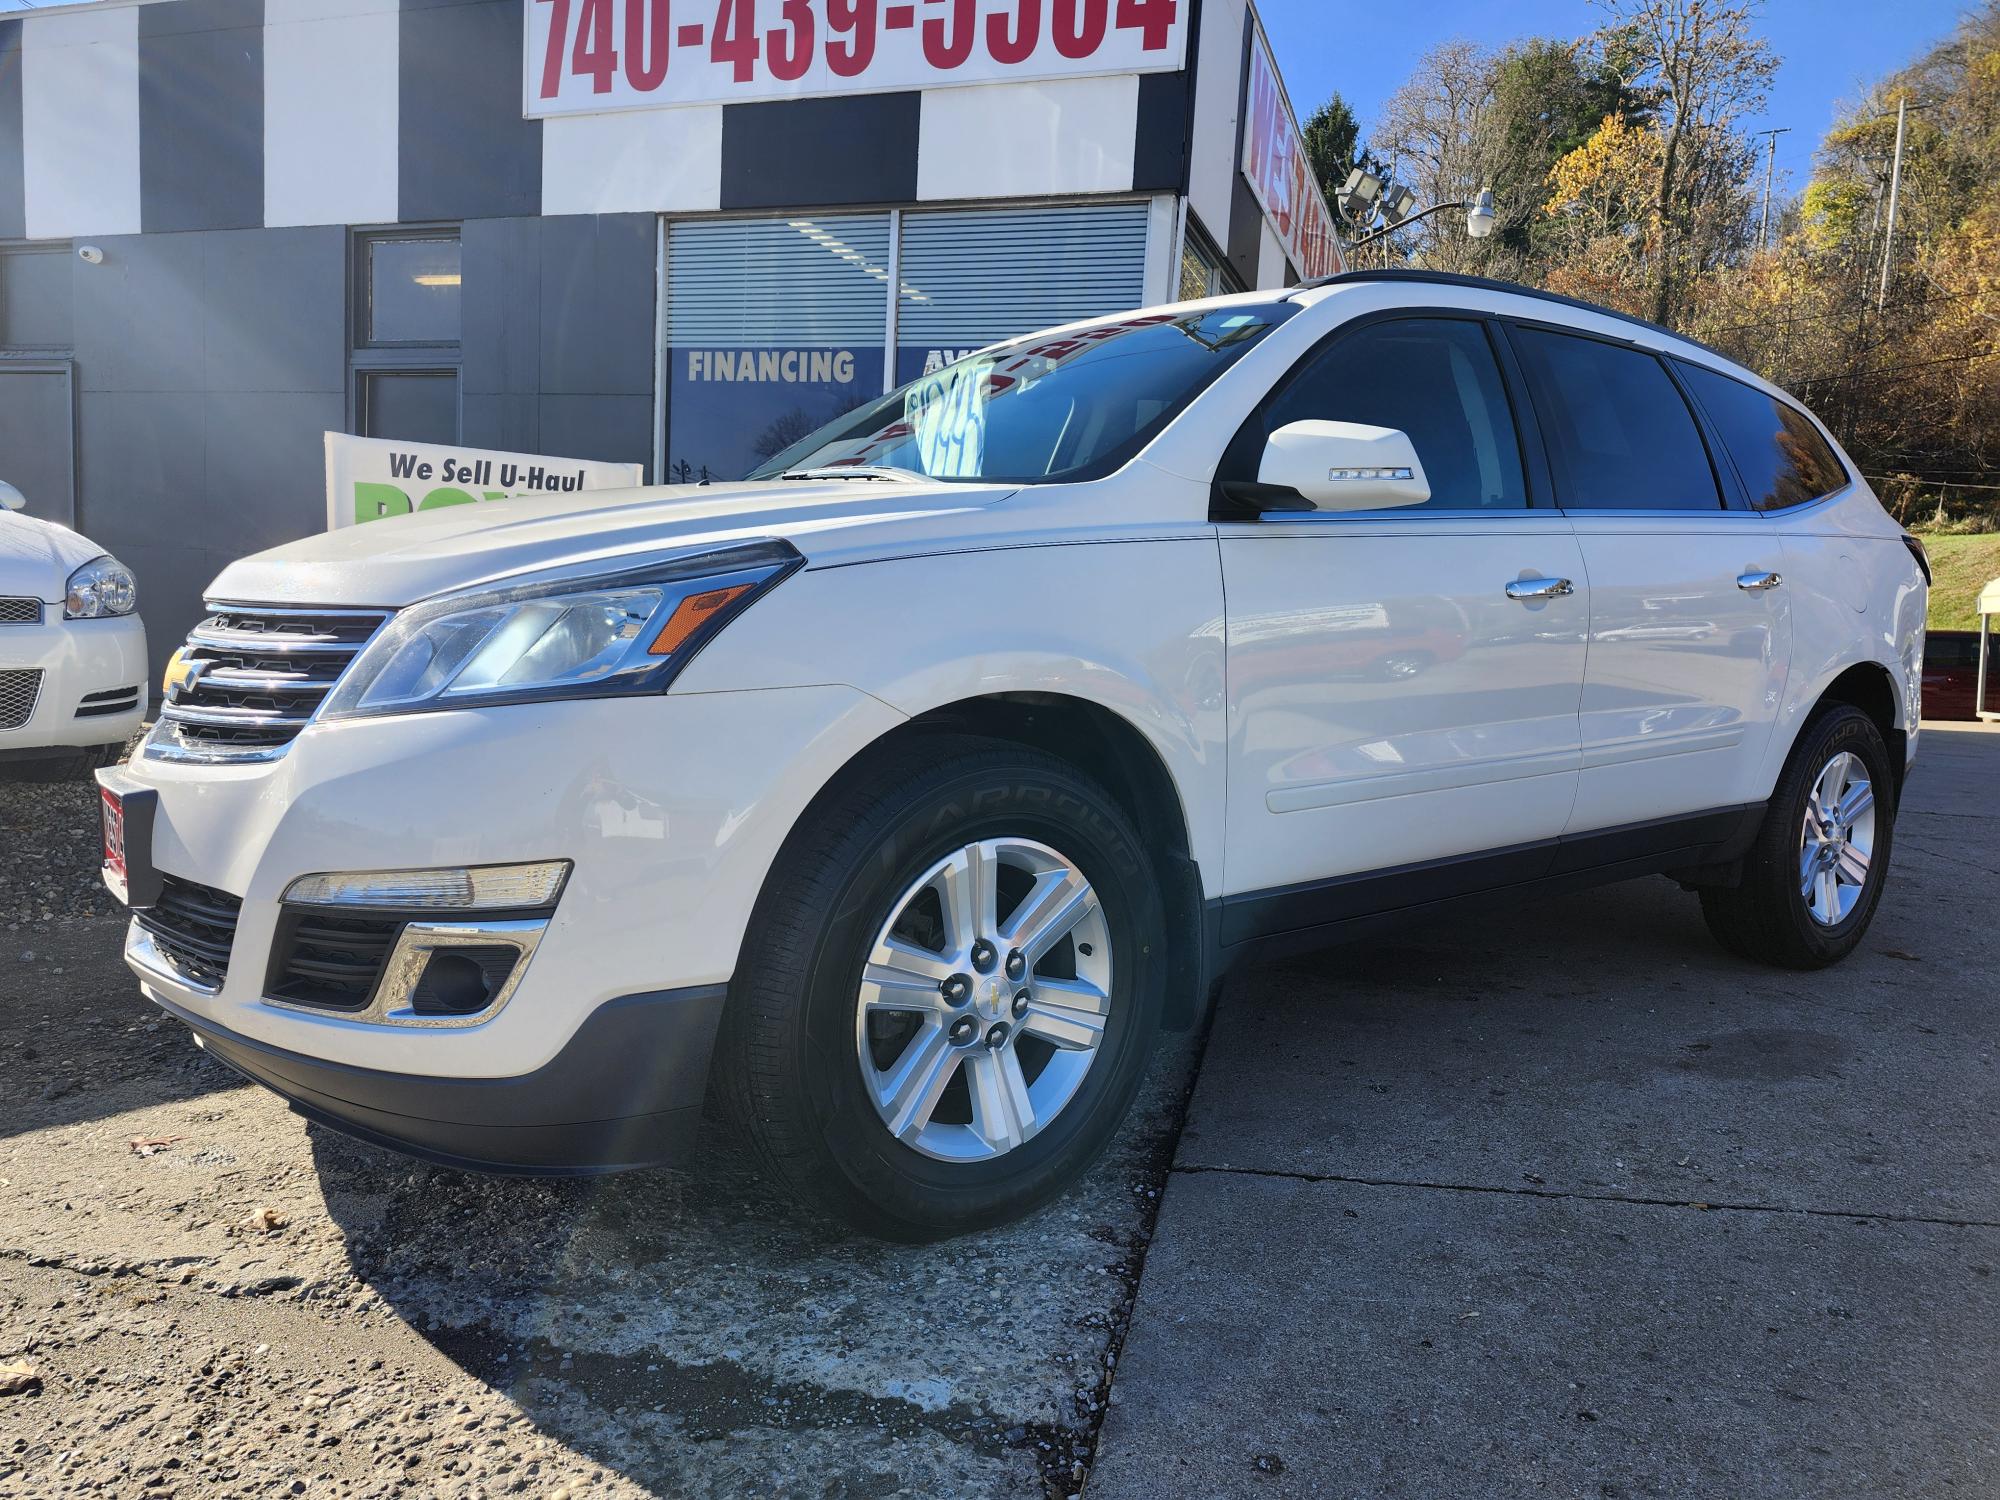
(856, 471)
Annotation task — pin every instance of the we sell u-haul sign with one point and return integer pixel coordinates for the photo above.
(585, 56)
(370, 479)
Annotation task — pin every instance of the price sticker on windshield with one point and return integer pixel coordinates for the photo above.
(587, 56)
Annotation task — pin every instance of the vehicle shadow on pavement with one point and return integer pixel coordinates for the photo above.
(81, 1043)
(697, 1332)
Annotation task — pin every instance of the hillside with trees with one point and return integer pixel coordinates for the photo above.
(1624, 172)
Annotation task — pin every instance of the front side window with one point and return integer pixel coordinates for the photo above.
(1436, 381)
(1619, 435)
(1057, 408)
(1778, 453)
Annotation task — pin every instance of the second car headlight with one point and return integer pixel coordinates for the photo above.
(102, 587)
(568, 634)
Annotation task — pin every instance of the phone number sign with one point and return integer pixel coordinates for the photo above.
(586, 56)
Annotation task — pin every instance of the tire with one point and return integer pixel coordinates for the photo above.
(800, 1072)
(1768, 917)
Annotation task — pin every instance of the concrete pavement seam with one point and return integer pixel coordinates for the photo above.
(1700, 1205)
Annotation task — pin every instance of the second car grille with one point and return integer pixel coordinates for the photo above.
(18, 692)
(20, 611)
(193, 927)
(252, 676)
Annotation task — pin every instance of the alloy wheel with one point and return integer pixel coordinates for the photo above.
(1837, 840)
(984, 1000)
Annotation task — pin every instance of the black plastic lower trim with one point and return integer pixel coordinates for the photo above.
(625, 1091)
(1299, 917)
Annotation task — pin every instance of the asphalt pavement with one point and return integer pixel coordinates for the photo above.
(1563, 1200)
(1558, 1200)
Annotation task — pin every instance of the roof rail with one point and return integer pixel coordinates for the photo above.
(1494, 284)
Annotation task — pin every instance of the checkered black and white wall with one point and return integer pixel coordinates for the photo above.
(121, 118)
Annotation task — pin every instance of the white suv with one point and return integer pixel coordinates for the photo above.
(895, 798)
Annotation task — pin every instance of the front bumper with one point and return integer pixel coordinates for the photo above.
(671, 811)
(588, 1109)
(94, 682)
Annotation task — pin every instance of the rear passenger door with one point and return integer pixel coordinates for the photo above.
(1690, 635)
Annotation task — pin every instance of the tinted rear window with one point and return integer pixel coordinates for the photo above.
(1780, 455)
(1618, 433)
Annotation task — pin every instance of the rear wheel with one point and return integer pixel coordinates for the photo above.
(948, 991)
(1813, 878)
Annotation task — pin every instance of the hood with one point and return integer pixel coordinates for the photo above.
(398, 561)
(37, 557)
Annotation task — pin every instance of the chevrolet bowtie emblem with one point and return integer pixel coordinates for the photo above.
(181, 673)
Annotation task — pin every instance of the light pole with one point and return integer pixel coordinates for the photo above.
(1365, 195)
(1479, 216)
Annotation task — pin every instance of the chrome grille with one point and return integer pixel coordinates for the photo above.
(252, 676)
(20, 611)
(18, 691)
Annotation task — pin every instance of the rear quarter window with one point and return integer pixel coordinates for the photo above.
(1778, 452)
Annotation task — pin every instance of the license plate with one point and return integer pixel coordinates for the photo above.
(116, 875)
(127, 809)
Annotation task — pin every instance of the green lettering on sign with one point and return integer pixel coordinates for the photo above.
(374, 501)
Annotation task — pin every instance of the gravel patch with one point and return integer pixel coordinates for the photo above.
(50, 845)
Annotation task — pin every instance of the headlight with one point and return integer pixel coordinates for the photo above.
(103, 586)
(569, 634)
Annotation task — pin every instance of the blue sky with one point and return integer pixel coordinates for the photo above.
(1831, 49)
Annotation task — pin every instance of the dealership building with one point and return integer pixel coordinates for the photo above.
(675, 233)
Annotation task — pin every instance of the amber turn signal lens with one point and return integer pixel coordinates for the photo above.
(690, 615)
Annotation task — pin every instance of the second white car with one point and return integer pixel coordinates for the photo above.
(73, 670)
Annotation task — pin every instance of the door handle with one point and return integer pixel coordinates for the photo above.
(1756, 583)
(1540, 588)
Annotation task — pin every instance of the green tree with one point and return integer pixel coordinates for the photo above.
(1333, 144)
(1549, 98)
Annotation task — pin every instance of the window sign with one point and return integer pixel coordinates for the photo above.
(946, 414)
(1274, 163)
(587, 56)
(774, 327)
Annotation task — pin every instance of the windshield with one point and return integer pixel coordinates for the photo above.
(1072, 406)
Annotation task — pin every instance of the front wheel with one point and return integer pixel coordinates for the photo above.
(1813, 878)
(948, 990)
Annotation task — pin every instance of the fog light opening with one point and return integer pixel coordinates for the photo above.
(462, 981)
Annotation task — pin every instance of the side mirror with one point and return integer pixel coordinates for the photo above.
(11, 498)
(1344, 466)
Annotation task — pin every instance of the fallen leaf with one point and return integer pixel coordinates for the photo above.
(1908, 958)
(151, 1145)
(265, 1221)
(18, 1378)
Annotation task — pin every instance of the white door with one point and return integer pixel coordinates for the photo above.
(1390, 704)
(1690, 636)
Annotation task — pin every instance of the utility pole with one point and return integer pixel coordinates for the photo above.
(1895, 189)
(1770, 168)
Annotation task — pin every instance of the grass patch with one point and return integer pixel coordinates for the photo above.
(1961, 566)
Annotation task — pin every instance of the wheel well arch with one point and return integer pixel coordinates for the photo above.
(1113, 751)
(1868, 686)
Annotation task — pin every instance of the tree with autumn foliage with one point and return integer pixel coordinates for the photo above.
(1625, 174)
